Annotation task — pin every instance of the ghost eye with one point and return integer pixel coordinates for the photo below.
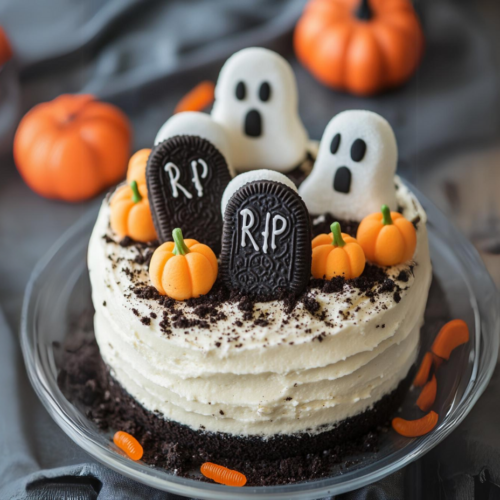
(241, 91)
(334, 146)
(358, 150)
(265, 91)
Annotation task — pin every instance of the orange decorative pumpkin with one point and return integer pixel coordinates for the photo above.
(130, 213)
(387, 237)
(73, 147)
(5, 48)
(360, 46)
(136, 170)
(183, 269)
(336, 254)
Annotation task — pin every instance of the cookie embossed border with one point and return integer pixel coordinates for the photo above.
(266, 241)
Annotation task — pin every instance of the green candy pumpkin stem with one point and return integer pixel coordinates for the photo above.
(364, 11)
(136, 196)
(386, 216)
(337, 241)
(180, 247)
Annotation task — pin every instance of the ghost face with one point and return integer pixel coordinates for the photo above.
(256, 102)
(353, 175)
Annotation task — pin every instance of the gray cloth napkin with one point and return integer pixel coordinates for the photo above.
(143, 56)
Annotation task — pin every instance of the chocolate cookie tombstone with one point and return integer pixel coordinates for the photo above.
(186, 177)
(266, 240)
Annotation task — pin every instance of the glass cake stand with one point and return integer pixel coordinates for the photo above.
(59, 288)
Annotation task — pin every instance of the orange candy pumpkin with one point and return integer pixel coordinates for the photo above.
(387, 237)
(73, 147)
(136, 170)
(360, 46)
(130, 213)
(183, 269)
(336, 254)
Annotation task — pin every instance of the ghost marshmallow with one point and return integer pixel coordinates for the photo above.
(198, 124)
(256, 101)
(353, 175)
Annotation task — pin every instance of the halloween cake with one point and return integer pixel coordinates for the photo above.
(248, 317)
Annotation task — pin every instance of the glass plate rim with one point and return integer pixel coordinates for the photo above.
(307, 490)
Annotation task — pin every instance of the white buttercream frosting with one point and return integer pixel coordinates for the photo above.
(294, 372)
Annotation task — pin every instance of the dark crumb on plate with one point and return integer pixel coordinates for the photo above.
(86, 381)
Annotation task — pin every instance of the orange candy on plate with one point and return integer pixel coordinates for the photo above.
(387, 238)
(130, 213)
(336, 254)
(197, 99)
(453, 334)
(129, 445)
(136, 170)
(415, 428)
(223, 475)
(183, 269)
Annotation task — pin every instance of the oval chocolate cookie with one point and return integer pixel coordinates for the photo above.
(186, 176)
(266, 240)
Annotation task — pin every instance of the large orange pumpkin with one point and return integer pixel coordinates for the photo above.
(361, 46)
(73, 147)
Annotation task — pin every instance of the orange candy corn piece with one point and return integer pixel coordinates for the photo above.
(424, 370)
(198, 98)
(129, 445)
(428, 395)
(223, 475)
(453, 334)
(415, 428)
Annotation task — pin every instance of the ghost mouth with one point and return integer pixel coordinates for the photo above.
(253, 123)
(342, 180)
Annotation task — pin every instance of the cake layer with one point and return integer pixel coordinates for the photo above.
(273, 371)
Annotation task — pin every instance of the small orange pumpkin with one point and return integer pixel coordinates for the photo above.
(5, 48)
(183, 269)
(130, 213)
(387, 237)
(136, 170)
(360, 46)
(73, 147)
(336, 254)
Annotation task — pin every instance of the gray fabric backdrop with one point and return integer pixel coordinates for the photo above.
(143, 55)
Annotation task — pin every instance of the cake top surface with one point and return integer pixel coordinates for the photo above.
(227, 320)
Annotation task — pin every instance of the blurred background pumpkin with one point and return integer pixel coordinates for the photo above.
(360, 46)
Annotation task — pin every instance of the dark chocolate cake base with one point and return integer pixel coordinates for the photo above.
(86, 381)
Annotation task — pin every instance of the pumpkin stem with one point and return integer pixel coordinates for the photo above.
(338, 241)
(386, 216)
(180, 247)
(136, 196)
(364, 11)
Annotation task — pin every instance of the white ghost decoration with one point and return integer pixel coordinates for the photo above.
(257, 175)
(353, 175)
(256, 101)
(201, 125)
